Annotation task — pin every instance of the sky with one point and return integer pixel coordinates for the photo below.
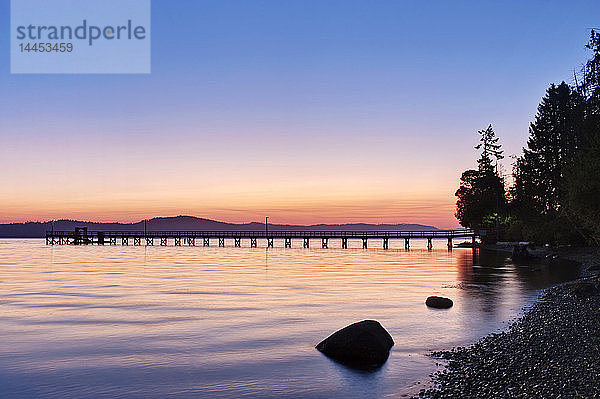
(305, 111)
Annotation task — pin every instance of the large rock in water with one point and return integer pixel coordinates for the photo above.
(439, 302)
(363, 345)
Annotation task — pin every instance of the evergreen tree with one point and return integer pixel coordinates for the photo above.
(582, 181)
(554, 137)
(489, 149)
(481, 198)
(583, 193)
(590, 87)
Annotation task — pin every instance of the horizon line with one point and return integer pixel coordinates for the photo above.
(218, 221)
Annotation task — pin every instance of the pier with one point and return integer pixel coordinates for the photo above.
(81, 236)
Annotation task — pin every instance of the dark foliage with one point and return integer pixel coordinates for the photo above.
(582, 179)
(481, 197)
(539, 190)
(556, 193)
(555, 197)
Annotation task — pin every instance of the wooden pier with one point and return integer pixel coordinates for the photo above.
(81, 236)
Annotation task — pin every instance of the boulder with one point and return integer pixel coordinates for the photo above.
(362, 345)
(439, 302)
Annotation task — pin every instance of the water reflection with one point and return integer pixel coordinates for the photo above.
(237, 322)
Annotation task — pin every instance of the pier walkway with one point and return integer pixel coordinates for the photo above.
(81, 236)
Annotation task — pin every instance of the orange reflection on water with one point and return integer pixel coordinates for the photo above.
(205, 322)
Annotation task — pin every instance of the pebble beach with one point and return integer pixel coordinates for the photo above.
(553, 351)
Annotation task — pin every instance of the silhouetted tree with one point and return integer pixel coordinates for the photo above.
(590, 86)
(583, 193)
(556, 193)
(554, 137)
(481, 197)
(582, 182)
(471, 206)
(489, 149)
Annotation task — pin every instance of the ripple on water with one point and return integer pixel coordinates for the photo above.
(234, 322)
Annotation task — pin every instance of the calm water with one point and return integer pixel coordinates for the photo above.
(136, 322)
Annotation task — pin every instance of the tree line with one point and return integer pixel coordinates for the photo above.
(554, 196)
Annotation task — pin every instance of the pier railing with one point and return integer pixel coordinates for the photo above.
(81, 236)
(275, 234)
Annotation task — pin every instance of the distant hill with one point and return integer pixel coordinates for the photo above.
(188, 223)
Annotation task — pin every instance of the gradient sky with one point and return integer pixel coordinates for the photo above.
(305, 111)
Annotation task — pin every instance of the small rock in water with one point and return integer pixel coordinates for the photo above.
(364, 345)
(551, 352)
(439, 302)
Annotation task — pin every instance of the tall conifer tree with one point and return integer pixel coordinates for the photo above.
(583, 177)
(554, 137)
(481, 198)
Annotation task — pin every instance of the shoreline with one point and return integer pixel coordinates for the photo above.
(588, 258)
(553, 350)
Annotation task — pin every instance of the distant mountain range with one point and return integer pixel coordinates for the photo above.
(188, 223)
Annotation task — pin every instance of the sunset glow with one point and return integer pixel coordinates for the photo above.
(333, 116)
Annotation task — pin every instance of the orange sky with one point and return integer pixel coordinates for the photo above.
(240, 206)
(325, 113)
(129, 178)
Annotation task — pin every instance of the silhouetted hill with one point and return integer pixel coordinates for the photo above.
(187, 223)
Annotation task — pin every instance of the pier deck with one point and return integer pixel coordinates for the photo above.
(81, 236)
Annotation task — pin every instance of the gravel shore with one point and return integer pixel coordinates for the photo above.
(553, 351)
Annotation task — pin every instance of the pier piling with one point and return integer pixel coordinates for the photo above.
(83, 237)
